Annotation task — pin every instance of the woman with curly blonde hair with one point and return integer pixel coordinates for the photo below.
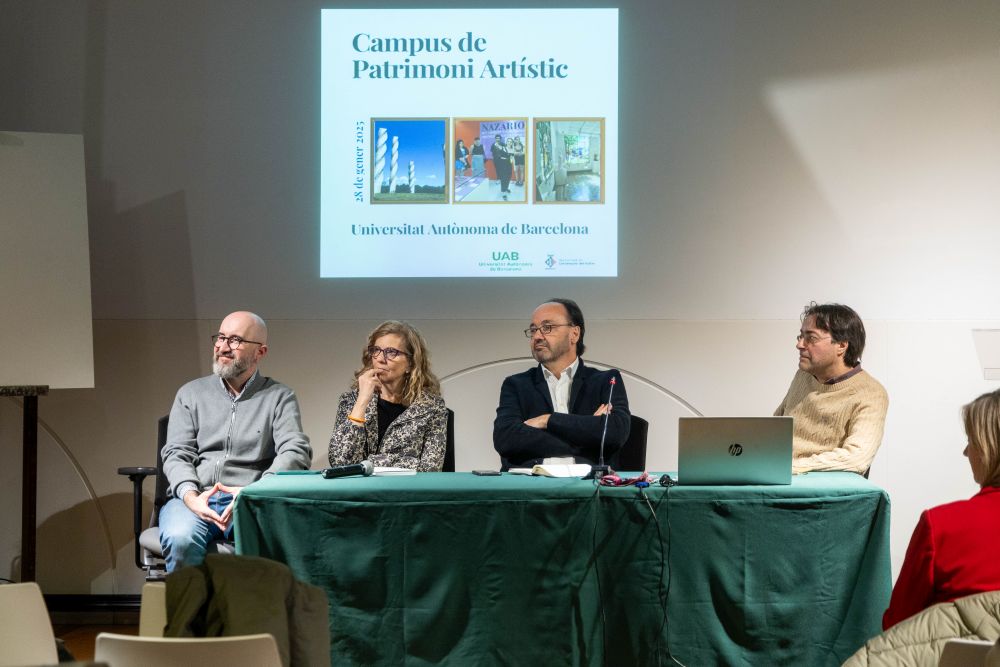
(394, 414)
(953, 551)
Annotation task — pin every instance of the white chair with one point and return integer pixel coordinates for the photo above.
(965, 653)
(153, 609)
(128, 651)
(26, 636)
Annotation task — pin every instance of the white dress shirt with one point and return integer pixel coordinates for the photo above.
(559, 388)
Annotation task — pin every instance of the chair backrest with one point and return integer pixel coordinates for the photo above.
(449, 443)
(129, 651)
(153, 609)
(632, 455)
(965, 653)
(160, 493)
(26, 636)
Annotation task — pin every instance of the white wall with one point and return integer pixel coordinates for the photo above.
(771, 153)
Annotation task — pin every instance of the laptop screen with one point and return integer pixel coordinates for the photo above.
(734, 450)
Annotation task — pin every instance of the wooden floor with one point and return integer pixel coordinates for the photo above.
(79, 639)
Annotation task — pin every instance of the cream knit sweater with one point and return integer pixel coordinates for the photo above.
(837, 426)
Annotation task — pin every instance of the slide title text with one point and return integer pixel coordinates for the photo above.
(516, 68)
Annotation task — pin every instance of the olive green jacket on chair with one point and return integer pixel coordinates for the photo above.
(241, 595)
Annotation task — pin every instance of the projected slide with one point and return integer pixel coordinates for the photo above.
(460, 143)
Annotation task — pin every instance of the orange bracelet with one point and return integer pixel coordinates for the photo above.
(355, 419)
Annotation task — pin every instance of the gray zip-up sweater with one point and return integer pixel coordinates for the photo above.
(213, 438)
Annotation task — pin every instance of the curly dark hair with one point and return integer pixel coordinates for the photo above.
(844, 326)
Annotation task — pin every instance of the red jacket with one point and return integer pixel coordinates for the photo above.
(954, 552)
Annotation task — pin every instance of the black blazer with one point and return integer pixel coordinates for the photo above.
(577, 434)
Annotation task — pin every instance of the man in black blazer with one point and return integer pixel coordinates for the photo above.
(557, 408)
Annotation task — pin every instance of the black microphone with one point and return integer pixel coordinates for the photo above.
(600, 469)
(365, 468)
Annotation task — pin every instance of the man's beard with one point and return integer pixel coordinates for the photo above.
(541, 355)
(549, 352)
(232, 370)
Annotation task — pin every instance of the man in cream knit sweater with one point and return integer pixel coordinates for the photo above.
(839, 409)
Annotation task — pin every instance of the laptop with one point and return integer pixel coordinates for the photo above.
(734, 450)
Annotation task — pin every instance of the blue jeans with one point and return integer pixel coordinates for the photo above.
(185, 538)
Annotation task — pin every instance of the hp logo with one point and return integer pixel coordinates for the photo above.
(735, 449)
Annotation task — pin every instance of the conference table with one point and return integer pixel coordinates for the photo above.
(458, 569)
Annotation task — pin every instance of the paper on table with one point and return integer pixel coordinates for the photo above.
(388, 470)
(554, 470)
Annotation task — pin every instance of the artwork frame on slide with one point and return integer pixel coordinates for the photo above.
(481, 183)
(564, 151)
(423, 135)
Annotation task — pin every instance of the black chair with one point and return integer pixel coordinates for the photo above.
(632, 455)
(449, 446)
(148, 552)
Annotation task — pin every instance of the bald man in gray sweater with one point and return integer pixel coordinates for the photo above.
(225, 431)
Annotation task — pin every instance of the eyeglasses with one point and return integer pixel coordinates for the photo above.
(811, 339)
(234, 342)
(388, 353)
(546, 329)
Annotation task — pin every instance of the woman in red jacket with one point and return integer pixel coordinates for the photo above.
(955, 548)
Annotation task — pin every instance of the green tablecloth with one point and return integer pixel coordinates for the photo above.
(450, 568)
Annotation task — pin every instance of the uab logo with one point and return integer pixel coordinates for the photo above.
(735, 449)
(510, 255)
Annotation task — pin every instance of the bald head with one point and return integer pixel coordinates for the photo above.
(252, 324)
(236, 366)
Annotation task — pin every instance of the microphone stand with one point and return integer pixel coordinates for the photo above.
(599, 470)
